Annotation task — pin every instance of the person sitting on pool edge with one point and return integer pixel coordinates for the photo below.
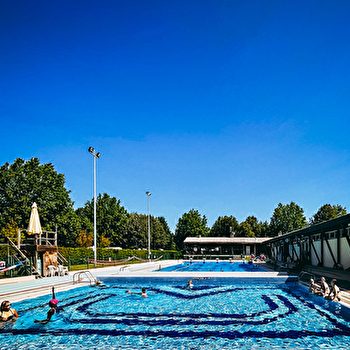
(334, 291)
(143, 293)
(7, 313)
(315, 288)
(53, 309)
(325, 288)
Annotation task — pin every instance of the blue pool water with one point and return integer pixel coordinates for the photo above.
(214, 266)
(212, 315)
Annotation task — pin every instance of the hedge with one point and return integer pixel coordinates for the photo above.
(78, 256)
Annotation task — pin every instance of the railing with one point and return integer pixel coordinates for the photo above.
(304, 277)
(82, 276)
(26, 261)
(49, 238)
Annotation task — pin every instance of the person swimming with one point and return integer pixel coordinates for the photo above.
(189, 284)
(53, 309)
(143, 293)
(7, 313)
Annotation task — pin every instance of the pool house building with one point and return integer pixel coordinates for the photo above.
(223, 247)
(326, 244)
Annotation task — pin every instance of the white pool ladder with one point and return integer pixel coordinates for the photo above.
(83, 277)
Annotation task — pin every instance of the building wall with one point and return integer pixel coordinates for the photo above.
(327, 255)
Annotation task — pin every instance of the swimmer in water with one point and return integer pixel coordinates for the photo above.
(7, 313)
(53, 309)
(189, 284)
(143, 293)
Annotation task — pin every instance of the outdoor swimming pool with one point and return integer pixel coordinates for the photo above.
(221, 266)
(213, 315)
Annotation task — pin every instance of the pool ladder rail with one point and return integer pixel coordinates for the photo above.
(84, 277)
(304, 278)
(125, 268)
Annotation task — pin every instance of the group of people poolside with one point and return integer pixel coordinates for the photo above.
(322, 289)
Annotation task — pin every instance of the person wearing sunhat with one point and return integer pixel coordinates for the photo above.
(53, 309)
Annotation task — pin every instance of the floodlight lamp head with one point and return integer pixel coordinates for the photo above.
(148, 193)
(98, 155)
(91, 150)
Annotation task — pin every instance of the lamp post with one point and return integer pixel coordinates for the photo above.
(149, 228)
(96, 156)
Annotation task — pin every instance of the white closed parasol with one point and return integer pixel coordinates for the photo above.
(34, 221)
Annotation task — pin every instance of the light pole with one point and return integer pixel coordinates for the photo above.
(96, 156)
(149, 228)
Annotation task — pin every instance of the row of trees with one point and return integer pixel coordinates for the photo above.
(285, 218)
(25, 182)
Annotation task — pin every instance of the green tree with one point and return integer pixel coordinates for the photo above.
(25, 182)
(224, 226)
(136, 234)
(111, 218)
(245, 230)
(169, 237)
(327, 212)
(85, 239)
(104, 241)
(251, 227)
(265, 230)
(158, 235)
(287, 218)
(191, 224)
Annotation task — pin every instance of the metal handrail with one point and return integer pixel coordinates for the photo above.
(78, 277)
(304, 273)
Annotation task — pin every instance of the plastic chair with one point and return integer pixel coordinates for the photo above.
(62, 270)
(52, 270)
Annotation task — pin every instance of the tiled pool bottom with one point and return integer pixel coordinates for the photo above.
(212, 315)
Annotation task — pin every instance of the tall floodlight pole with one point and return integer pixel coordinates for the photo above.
(96, 156)
(149, 228)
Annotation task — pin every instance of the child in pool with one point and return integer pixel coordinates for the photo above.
(53, 309)
(143, 293)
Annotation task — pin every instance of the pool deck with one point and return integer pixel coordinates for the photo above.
(21, 288)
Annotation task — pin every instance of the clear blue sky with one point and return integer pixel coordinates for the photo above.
(228, 107)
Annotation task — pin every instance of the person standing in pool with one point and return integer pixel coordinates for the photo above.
(7, 313)
(143, 293)
(53, 309)
(189, 285)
